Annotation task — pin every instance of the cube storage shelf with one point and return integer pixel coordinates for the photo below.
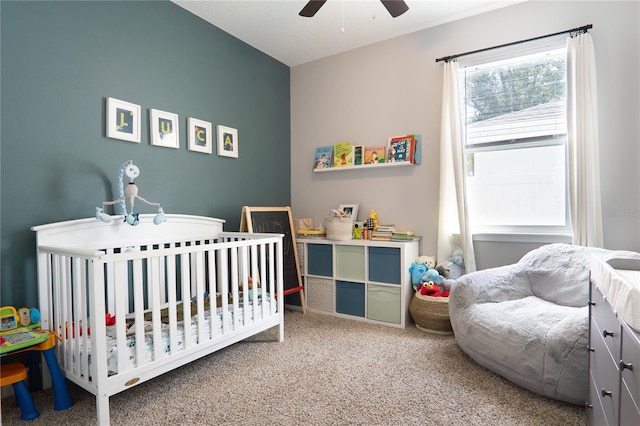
(360, 279)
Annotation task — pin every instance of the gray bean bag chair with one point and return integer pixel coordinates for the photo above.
(528, 321)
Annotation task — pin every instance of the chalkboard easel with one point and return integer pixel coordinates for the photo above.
(278, 220)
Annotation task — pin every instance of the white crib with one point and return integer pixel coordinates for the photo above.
(90, 271)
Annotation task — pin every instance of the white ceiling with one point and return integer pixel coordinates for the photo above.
(274, 27)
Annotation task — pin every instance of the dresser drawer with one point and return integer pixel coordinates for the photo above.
(608, 325)
(631, 358)
(629, 411)
(596, 413)
(603, 366)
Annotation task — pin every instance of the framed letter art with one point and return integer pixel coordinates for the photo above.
(199, 136)
(123, 120)
(164, 128)
(227, 142)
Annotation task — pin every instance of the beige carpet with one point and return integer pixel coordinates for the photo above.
(328, 371)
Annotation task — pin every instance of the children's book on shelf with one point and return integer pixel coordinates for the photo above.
(323, 158)
(404, 148)
(417, 149)
(404, 235)
(343, 154)
(399, 149)
(374, 154)
(358, 155)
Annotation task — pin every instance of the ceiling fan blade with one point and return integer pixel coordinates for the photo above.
(395, 7)
(311, 8)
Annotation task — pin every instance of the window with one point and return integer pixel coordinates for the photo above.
(515, 144)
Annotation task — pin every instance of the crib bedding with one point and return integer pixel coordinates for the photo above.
(113, 294)
(130, 342)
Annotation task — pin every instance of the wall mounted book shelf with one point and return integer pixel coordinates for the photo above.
(364, 167)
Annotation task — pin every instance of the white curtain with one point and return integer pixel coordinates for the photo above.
(453, 229)
(582, 129)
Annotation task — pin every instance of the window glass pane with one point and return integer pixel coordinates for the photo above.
(515, 142)
(518, 187)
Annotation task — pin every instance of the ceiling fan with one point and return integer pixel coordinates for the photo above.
(394, 7)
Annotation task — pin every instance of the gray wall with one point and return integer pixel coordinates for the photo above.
(395, 87)
(61, 60)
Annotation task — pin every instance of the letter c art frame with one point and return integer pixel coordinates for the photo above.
(200, 137)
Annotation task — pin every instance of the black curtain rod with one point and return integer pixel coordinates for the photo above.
(575, 30)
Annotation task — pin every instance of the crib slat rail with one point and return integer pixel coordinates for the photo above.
(128, 313)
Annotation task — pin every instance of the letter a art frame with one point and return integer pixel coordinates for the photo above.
(227, 141)
(123, 120)
(164, 128)
(200, 136)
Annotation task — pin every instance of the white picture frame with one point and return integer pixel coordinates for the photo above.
(351, 210)
(164, 128)
(123, 120)
(227, 141)
(200, 138)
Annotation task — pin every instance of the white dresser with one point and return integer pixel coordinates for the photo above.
(614, 343)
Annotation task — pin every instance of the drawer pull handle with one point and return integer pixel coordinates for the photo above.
(606, 333)
(624, 365)
(605, 392)
(592, 303)
(590, 349)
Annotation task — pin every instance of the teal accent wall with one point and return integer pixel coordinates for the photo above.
(61, 60)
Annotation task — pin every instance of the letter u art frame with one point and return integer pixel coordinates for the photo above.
(164, 129)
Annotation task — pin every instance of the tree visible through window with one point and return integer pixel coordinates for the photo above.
(515, 143)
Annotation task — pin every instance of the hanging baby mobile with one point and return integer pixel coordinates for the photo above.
(130, 194)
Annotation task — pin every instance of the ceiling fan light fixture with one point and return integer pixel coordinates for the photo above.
(394, 7)
(311, 8)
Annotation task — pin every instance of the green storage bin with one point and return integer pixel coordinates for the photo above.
(383, 303)
(350, 263)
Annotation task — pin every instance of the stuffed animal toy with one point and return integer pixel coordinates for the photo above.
(456, 264)
(432, 276)
(430, 261)
(429, 289)
(446, 283)
(442, 270)
(417, 270)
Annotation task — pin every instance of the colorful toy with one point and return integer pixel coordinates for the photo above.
(374, 216)
(16, 329)
(429, 289)
(431, 275)
(417, 270)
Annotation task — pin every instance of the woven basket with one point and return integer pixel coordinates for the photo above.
(431, 314)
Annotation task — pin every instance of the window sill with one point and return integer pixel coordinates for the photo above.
(520, 237)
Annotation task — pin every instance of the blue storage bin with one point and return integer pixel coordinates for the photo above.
(320, 259)
(350, 298)
(384, 265)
